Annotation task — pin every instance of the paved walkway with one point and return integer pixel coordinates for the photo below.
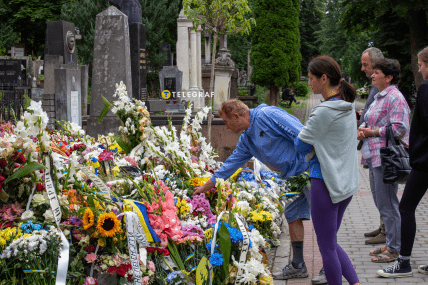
(361, 216)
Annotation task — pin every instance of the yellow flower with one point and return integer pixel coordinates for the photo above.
(88, 219)
(108, 225)
(265, 279)
(208, 234)
(197, 181)
(233, 176)
(101, 242)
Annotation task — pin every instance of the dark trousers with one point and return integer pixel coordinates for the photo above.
(291, 98)
(416, 186)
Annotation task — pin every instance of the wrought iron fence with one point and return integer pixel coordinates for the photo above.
(12, 99)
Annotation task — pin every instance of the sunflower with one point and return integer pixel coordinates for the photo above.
(88, 219)
(108, 225)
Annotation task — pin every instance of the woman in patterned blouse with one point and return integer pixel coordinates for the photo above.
(388, 108)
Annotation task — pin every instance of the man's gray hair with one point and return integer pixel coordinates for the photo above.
(374, 54)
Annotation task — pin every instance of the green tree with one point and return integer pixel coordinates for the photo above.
(345, 47)
(238, 46)
(366, 14)
(275, 48)
(311, 14)
(27, 18)
(220, 17)
(160, 18)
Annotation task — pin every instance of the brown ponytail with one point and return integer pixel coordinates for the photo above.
(325, 64)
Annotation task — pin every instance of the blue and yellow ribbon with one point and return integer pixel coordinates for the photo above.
(141, 211)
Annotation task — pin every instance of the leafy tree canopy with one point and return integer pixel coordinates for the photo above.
(26, 20)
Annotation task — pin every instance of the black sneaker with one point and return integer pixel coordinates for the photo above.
(423, 269)
(320, 279)
(400, 268)
(290, 272)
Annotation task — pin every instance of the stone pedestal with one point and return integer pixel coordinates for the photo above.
(51, 63)
(68, 106)
(111, 65)
(221, 86)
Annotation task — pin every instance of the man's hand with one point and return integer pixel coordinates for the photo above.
(204, 188)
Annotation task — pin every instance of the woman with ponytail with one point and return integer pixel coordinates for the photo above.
(329, 141)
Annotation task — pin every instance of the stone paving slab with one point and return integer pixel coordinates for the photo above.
(361, 216)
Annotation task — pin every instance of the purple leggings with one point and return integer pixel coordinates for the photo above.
(326, 218)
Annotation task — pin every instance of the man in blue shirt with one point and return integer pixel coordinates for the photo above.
(268, 135)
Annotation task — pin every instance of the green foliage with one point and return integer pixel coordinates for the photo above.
(27, 19)
(311, 14)
(301, 89)
(275, 49)
(108, 105)
(160, 18)
(153, 84)
(24, 171)
(346, 48)
(262, 94)
(398, 29)
(225, 249)
(296, 183)
(237, 44)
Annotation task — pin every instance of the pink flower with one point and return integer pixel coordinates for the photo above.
(145, 280)
(131, 161)
(117, 259)
(90, 257)
(90, 281)
(151, 266)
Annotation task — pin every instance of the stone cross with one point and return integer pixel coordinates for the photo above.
(207, 35)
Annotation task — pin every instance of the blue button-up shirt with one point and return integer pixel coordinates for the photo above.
(270, 139)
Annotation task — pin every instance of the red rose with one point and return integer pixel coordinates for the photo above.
(19, 158)
(3, 163)
(150, 249)
(165, 252)
(1, 181)
(40, 187)
(112, 270)
(194, 213)
(121, 271)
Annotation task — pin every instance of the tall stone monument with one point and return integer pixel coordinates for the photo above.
(137, 36)
(111, 65)
(189, 60)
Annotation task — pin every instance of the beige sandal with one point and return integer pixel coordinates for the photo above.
(378, 251)
(386, 257)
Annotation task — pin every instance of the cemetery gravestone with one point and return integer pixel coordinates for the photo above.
(68, 106)
(11, 70)
(111, 65)
(60, 40)
(137, 32)
(171, 79)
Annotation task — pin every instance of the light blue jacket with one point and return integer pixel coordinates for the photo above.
(270, 139)
(332, 130)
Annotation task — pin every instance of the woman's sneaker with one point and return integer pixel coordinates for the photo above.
(400, 268)
(423, 269)
(289, 272)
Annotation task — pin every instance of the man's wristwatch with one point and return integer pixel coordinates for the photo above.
(374, 133)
